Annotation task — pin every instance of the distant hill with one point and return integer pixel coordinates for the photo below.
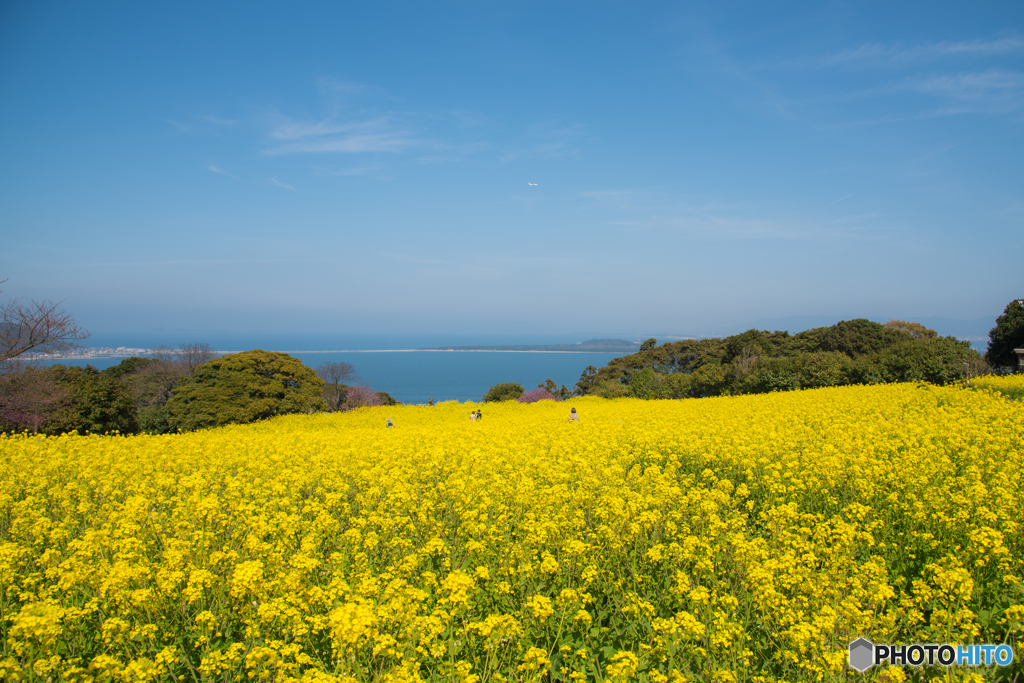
(589, 346)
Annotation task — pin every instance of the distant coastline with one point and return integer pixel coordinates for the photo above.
(589, 346)
(613, 346)
(85, 355)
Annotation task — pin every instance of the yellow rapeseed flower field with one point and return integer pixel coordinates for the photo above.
(1011, 385)
(728, 539)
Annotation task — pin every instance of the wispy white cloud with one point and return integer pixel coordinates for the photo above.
(993, 91)
(839, 200)
(959, 77)
(987, 92)
(967, 86)
(379, 142)
(375, 135)
(291, 129)
(879, 55)
(284, 185)
(221, 171)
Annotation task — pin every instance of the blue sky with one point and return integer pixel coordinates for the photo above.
(365, 168)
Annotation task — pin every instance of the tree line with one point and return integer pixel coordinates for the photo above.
(850, 352)
(174, 390)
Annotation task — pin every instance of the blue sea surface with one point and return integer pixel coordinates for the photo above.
(414, 377)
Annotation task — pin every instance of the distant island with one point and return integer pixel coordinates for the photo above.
(589, 346)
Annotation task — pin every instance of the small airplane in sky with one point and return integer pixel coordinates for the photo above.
(534, 184)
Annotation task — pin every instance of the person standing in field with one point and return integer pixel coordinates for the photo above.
(472, 416)
(390, 424)
(573, 416)
(478, 414)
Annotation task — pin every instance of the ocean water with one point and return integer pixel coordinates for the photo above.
(415, 376)
(408, 376)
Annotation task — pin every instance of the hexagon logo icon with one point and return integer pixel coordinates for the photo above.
(862, 654)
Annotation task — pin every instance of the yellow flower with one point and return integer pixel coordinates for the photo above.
(623, 666)
(549, 565)
(458, 584)
(540, 606)
(350, 622)
(535, 662)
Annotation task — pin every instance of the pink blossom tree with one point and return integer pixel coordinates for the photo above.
(538, 394)
(361, 395)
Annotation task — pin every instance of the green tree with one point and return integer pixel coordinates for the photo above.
(676, 385)
(865, 370)
(645, 384)
(823, 369)
(915, 330)
(151, 381)
(709, 379)
(94, 403)
(611, 388)
(854, 338)
(770, 374)
(752, 344)
(506, 391)
(244, 387)
(939, 361)
(126, 367)
(1007, 335)
(587, 382)
(386, 399)
(550, 386)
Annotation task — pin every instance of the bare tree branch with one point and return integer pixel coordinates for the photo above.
(164, 354)
(334, 375)
(43, 326)
(194, 355)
